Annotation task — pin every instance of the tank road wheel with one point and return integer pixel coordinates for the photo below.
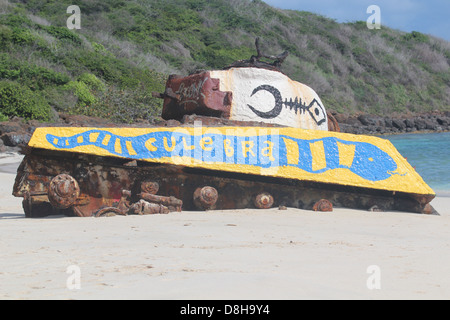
(63, 191)
(263, 201)
(323, 205)
(149, 187)
(205, 198)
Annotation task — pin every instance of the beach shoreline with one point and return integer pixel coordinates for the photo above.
(234, 254)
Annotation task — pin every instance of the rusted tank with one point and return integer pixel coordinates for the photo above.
(245, 137)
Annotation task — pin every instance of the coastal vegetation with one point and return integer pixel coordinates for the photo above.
(125, 50)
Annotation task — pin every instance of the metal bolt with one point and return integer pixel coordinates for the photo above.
(63, 191)
(205, 198)
(149, 187)
(323, 205)
(264, 201)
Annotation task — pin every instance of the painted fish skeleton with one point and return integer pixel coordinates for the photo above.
(314, 109)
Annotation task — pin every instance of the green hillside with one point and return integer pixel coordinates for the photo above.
(126, 49)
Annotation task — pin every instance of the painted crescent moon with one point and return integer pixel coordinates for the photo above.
(275, 112)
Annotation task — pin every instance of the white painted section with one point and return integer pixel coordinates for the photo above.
(243, 82)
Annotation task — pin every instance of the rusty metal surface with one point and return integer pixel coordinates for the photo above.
(150, 187)
(205, 198)
(195, 94)
(107, 183)
(172, 203)
(333, 125)
(143, 207)
(63, 191)
(324, 205)
(264, 201)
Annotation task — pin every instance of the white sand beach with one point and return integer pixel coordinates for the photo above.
(242, 254)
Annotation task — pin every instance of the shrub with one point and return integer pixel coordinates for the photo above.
(60, 98)
(18, 100)
(63, 34)
(16, 20)
(112, 60)
(98, 47)
(6, 35)
(82, 92)
(92, 81)
(30, 75)
(126, 106)
(416, 36)
(22, 36)
(3, 117)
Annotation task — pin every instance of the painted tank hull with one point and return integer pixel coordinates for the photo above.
(96, 171)
(249, 137)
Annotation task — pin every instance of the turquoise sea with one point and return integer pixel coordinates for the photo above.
(430, 154)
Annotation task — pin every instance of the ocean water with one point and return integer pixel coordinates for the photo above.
(429, 153)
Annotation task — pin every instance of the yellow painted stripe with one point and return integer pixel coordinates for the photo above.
(346, 154)
(106, 140)
(292, 153)
(319, 160)
(130, 148)
(93, 136)
(117, 146)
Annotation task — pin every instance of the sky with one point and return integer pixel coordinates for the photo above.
(426, 16)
